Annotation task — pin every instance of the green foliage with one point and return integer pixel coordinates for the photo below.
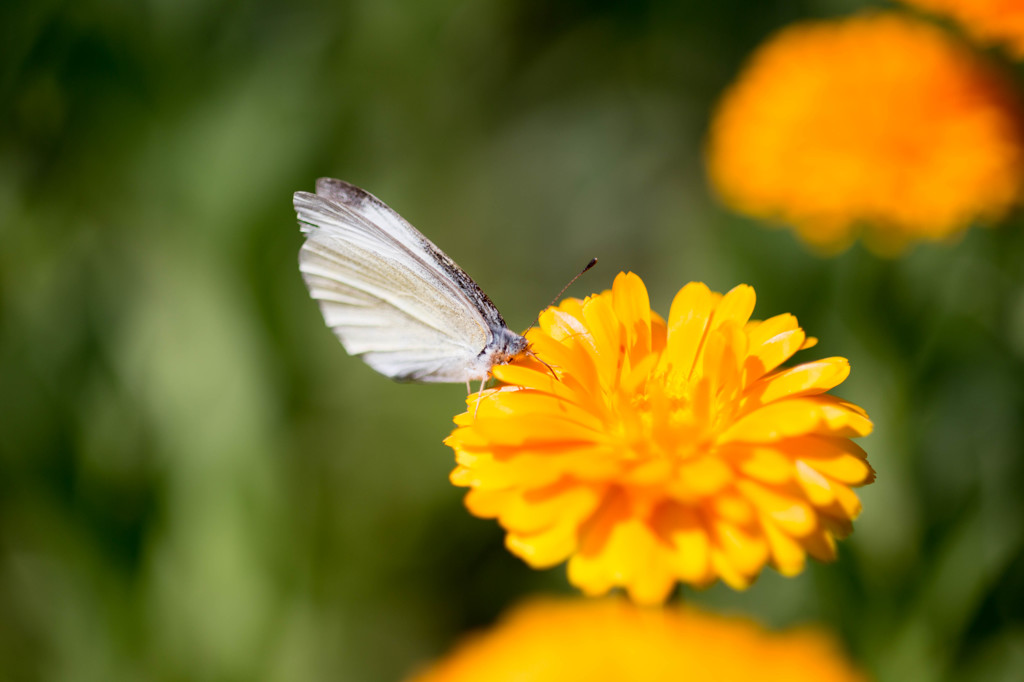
(197, 484)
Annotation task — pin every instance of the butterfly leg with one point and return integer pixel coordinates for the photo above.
(479, 396)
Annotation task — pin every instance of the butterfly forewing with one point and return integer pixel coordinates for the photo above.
(387, 292)
(373, 211)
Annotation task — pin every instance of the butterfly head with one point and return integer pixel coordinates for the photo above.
(505, 346)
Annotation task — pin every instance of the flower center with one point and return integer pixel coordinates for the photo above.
(655, 425)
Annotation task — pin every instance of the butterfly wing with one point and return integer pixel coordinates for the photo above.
(388, 293)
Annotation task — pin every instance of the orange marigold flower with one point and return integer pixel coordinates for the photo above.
(610, 640)
(988, 21)
(664, 452)
(877, 121)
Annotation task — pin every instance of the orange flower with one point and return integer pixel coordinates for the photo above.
(988, 21)
(877, 121)
(611, 641)
(664, 452)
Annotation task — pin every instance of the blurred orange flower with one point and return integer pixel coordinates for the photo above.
(988, 21)
(877, 121)
(664, 452)
(610, 640)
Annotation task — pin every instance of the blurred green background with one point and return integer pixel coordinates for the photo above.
(196, 483)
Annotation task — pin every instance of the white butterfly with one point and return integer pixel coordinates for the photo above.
(391, 296)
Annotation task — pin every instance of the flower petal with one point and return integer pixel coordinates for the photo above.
(787, 555)
(810, 378)
(534, 510)
(736, 306)
(633, 308)
(788, 512)
(534, 429)
(746, 549)
(683, 530)
(546, 548)
(823, 415)
(700, 478)
(606, 334)
(687, 322)
(575, 369)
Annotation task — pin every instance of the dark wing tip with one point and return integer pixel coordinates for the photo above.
(342, 192)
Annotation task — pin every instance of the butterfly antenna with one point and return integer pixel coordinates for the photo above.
(592, 263)
(537, 358)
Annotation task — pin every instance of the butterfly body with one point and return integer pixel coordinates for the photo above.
(391, 296)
